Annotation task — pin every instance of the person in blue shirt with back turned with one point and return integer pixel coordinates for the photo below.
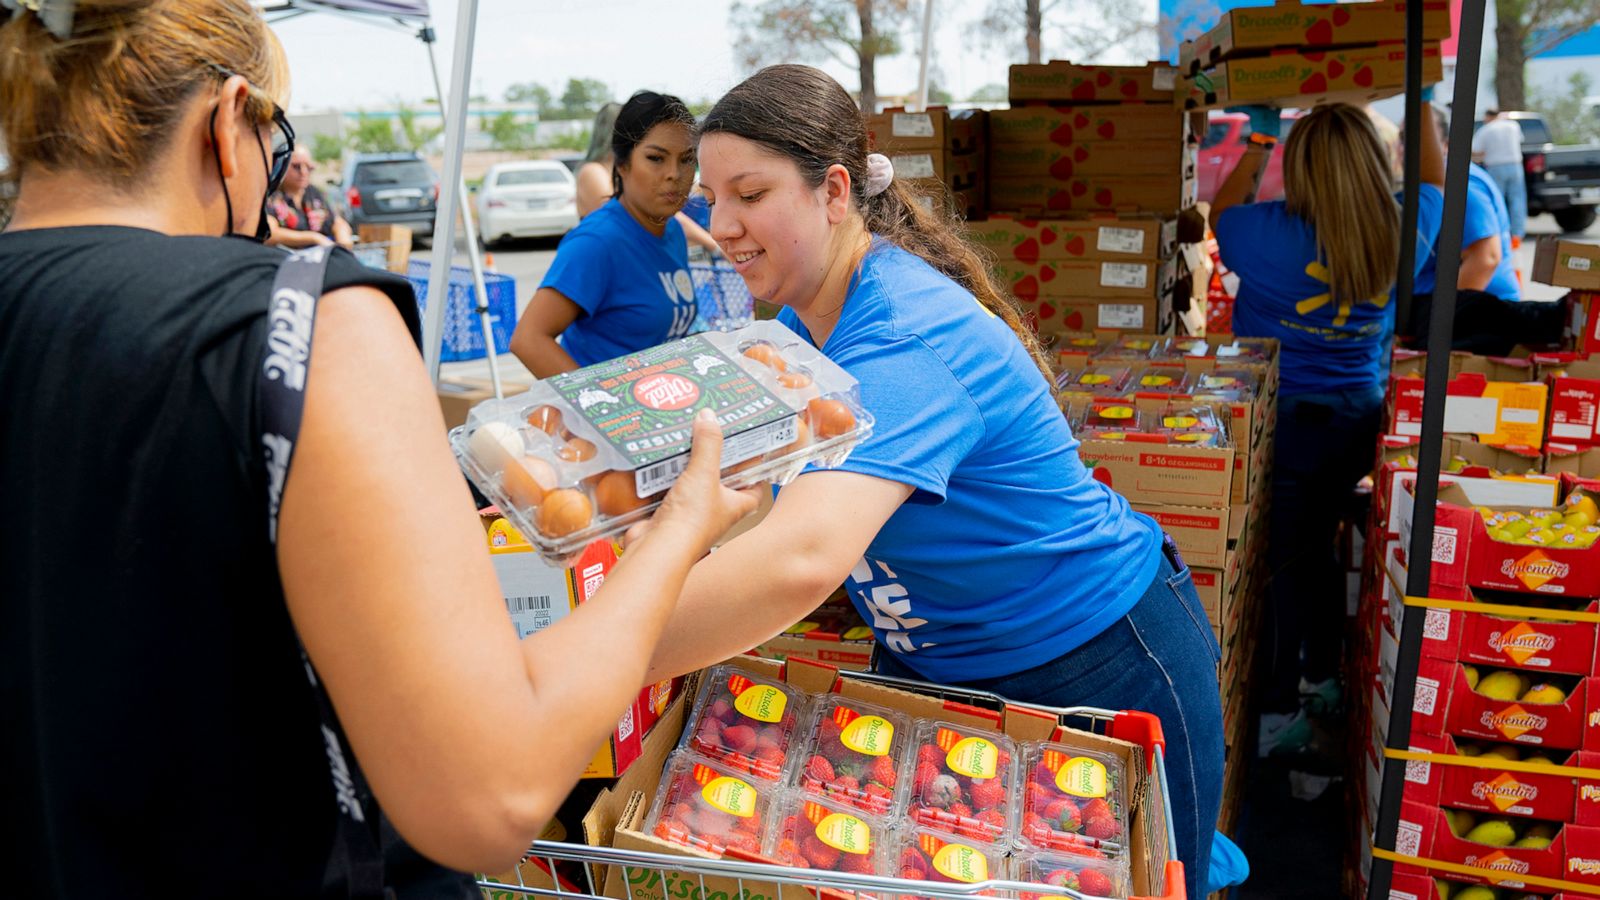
(620, 281)
(970, 534)
(1316, 271)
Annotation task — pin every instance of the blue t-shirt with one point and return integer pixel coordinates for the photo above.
(634, 288)
(1008, 553)
(1283, 294)
(1486, 217)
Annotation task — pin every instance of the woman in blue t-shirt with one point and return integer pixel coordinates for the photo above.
(620, 281)
(1316, 271)
(972, 537)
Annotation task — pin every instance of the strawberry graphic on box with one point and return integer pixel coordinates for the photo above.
(1090, 877)
(855, 753)
(961, 782)
(745, 722)
(814, 833)
(923, 855)
(709, 807)
(1073, 799)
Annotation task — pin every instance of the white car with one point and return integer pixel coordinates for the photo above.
(537, 198)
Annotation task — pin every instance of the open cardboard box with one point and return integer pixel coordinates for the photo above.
(1172, 474)
(1493, 791)
(1446, 704)
(617, 816)
(1494, 398)
(1575, 404)
(1465, 554)
(1066, 126)
(1424, 832)
(1567, 264)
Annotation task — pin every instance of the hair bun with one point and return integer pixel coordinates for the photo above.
(54, 15)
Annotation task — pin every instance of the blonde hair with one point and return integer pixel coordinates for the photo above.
(104, 101)
(1336, 176)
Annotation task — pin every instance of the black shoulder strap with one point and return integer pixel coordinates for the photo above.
(291, 316)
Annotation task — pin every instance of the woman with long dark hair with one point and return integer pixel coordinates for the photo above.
(972, 537)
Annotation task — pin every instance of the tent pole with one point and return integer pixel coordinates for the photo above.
(470, 232)
(927, 50)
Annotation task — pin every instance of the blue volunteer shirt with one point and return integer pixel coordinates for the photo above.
(634, 288)
(1283, 294)
(1486, 217)
(1008, 553)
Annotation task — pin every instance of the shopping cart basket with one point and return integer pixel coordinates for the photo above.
(684, 875)
(463, 331)
(725, 302)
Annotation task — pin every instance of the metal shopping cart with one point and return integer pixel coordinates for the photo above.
(725, 302)
(696, 878)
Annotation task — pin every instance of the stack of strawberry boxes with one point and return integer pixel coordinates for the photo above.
(767, 771)
(1297, 55)
(1102, 156)
(939, 152)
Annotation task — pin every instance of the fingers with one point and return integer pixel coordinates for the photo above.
(705, 454)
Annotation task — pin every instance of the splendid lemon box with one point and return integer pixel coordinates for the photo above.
(1497, 792)
(1425, 831)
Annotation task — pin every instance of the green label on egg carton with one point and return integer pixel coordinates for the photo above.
(644, 406)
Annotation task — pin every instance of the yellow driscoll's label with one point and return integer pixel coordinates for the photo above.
(1155, 381)
(1179, 422)
(1082, 777)
(1116, 412)
(974, 758)
(846, 833)
(763, 702)
(732, 796)
(959, 862)
(1094, 378)
(1191, 438)
(802, 628)
(869, 735)
(858, 633)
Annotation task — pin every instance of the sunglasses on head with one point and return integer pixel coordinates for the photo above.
(282, 134)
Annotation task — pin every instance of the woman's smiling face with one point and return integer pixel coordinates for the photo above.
(773, 226)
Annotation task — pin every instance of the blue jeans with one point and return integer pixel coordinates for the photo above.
(1509, 177)
(1160, 658)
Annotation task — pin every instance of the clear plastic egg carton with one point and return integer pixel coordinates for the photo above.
(585, 455)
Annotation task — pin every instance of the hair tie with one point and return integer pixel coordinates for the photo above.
(880, 172)
(55, 15)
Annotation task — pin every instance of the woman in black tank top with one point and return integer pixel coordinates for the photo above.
(163, 738)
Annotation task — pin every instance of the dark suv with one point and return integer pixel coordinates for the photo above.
(391, 189)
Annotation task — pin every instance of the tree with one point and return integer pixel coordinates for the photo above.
(415, 135)
(583, 97)
(1087, 30)
(938, 96)
(326, 148)
(1524, 29)
(530, 92)
(374, 134)
(1570, 117)
(506, 133)
(990, 93)
(853, 33)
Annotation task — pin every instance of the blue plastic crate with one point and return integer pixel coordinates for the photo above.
(463, 335)
(725, 302)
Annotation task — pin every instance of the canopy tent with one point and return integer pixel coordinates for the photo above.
(409, 15)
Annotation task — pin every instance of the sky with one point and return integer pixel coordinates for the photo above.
(677, 46)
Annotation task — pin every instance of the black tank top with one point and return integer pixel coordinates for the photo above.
(161, 738)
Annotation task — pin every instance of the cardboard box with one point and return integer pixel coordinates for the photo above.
(1110, 193)
(958, 171)
(1567, 264)
(1582, 857)
(1487, 563)
(1262, 28)
(1071, 125)
(1491, 397)
(1424, 832)
(939, 128)
(1125, 157)
(1531, 644)
(1582, 333)
(457, 397)
(1445, 704)
(1292, 79)
(1065, 82)
(1570, 459)
(1201, 533)
(1054, 315)
(1575, 404)
(1488, 790)
(393, 255)
(618, 813)
(1030, 241)
(1174, 474)
(1085, 278)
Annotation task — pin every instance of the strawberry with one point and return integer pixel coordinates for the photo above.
(750, 824)
(739, 738)
(788, 853)
(1095, 883)
(1098, 808)
(857, 864)
(910, 858)
(994, 819)
(926, 772)
(987, 793)
(818, 854)
(960, 810)
(1103, 828)
(836, 751)
(846, 786)
(882, 771)
(1064, 815)
(941, 792)
(819, 769)
(914, 874)
(1063, 878)
(768, 762)
(877, 798)
(709, 735)
(1005, 761)
(1043, 775)
(723, 710)
(830, 730)
(769, 737)
(1036, 796)
(929, 753)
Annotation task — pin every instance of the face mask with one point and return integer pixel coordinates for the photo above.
(263, 230)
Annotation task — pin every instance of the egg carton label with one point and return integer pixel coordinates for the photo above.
(644, 406)
(1125, 275)
(1119, 240)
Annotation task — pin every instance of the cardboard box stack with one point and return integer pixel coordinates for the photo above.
(1296, 55)
(833, 634)
(940, 152)
(1139, 404)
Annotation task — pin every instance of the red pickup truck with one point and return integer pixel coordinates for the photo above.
(1224, 144)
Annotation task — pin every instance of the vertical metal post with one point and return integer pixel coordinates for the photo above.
(927, 50)
(1419, 554)
(1405, 279)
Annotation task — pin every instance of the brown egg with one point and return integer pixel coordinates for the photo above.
(795, 380)
(802, 438)
(526, 481)
(547, 419)
(767, 355)
(564, 511)
(615, 493)
(576, 450)
(829, 418)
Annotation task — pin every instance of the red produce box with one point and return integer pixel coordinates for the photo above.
(1495, 791)
(1446, 704)
(1425, 832)
(1575, 404)
(1540, 645)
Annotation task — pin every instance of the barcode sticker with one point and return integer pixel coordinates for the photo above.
(1163, 78)
(1119, 240)
(1578, 263)
(1408, 839)
(911, 125)
(736, 449)
(1418, 772)
(537, 594)
(1120, 315)
(1436, 625)
(1427, 696)
(527, 604)
(1124, 275)
(914, 165)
